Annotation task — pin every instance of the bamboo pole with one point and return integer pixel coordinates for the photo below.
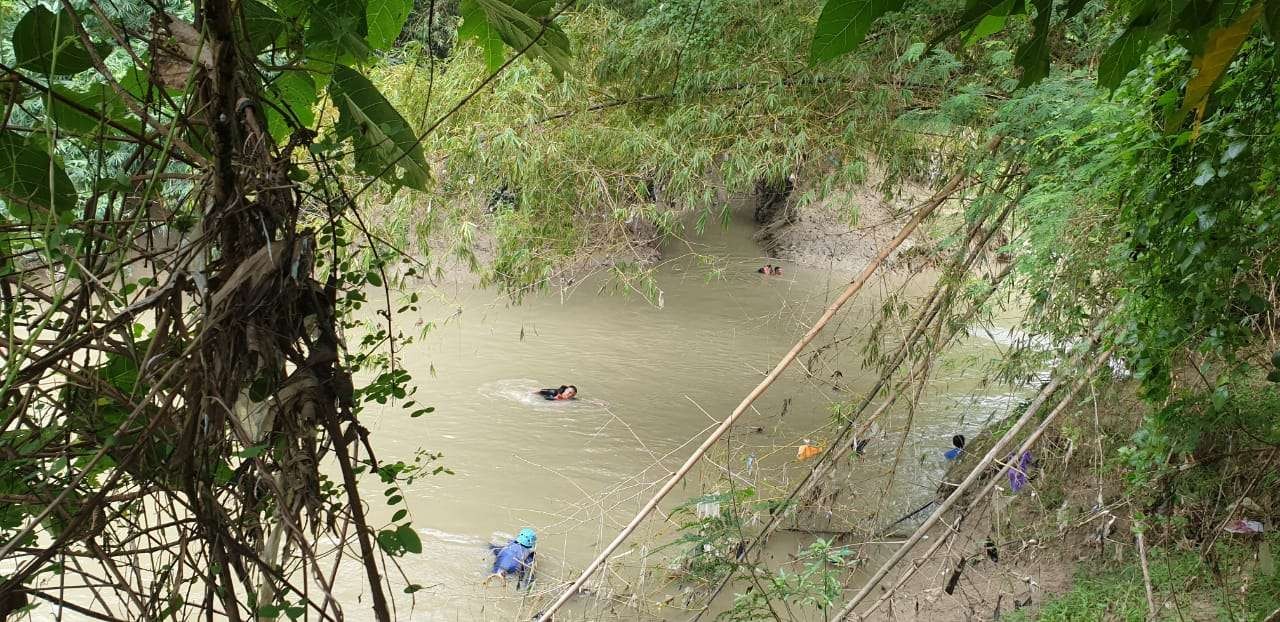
(1146, 577)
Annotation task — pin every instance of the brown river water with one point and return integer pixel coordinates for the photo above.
(653, 381)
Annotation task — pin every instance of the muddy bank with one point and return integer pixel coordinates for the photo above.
(843, 230)
(1065, 546)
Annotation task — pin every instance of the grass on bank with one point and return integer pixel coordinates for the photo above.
(1240, 584)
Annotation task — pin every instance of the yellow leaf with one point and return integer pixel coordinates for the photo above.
(1219, 49)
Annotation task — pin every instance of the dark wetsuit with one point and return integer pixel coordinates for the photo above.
(552, 394)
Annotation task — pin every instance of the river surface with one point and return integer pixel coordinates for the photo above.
(653, 380)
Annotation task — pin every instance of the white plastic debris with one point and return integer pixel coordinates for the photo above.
(1242, 525)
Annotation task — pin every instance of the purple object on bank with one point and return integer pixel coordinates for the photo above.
(1018, 472)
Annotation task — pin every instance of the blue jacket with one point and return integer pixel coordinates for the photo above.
(953, 453)
(514, 558)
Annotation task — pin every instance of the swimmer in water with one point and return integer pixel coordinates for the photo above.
(516, 558)
(954, 452)
(565, 392)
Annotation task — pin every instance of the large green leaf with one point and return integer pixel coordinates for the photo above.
(1124, 54)
(843, 25)
(386, 19)
(994, 21)
(263, 27)
(1033, 54)
(383, 140)
(32, 184)
(83, 112)
(975, 11)
(476, 26)
(48, 43)
(336, 31)
(294, 92)
(522, 25)
(1219, 49)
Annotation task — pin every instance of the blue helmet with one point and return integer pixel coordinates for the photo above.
(527, 538)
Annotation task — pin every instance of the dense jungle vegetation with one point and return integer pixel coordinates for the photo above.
(198, 195)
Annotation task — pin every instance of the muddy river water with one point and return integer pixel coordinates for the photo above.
(653, 380)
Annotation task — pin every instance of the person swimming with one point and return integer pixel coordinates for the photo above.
(954, 452)
(770, 269)
(515, 558)
(565, 392)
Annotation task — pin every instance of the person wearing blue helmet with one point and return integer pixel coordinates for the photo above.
(516, 558)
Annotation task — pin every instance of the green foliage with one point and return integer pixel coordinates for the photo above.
(1189, 582)
(1214, 32)
(150, 203)
(817, 583)
(659, 115)
(1195, 423)
(710, 534)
